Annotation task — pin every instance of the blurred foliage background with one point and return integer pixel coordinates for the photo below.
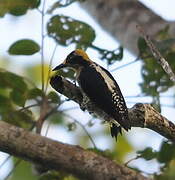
(24, 90)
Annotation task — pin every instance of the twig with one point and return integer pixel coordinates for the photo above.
(83, 127)
(42, 43)
(160, 59)
(46, 112)
(27, 107)
(124, 65)
(135, 158)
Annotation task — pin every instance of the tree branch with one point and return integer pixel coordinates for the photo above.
(120, 17)
(141, 115)
(62, 157)
(157, 55)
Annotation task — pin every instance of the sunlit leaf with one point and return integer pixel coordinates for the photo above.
(34, 73)
(24, 169)
(66, 30)
(122, 148)
(24, 47)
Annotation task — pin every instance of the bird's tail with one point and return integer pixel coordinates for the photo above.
(115, 130)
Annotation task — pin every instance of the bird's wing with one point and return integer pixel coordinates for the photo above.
(110, 101)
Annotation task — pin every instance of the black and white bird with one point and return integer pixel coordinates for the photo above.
(98, 86)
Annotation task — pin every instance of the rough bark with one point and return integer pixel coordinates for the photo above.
(120, 17)
(59, 156)
(141, 115)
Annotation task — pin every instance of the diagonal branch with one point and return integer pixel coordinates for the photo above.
(54, 155)
(141, 115)
(160, 59)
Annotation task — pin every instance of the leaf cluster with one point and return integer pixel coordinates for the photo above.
(165, 156)
(155, 80)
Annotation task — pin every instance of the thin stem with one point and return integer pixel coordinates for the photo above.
(124, 65)
(42, 43)
(135, 158)
(83, 127)
(50, 64)
(47, 130)
(27, 107)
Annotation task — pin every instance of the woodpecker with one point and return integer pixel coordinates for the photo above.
(100, 88)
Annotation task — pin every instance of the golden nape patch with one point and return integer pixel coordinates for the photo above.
(80, 52)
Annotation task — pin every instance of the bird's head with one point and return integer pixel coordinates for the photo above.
(76, 59)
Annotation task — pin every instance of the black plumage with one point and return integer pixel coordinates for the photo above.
(101, 88)
(93, 85)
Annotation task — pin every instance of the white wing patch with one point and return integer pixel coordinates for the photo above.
(117, 99)
(110, 83)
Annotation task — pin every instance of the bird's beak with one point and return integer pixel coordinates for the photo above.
(60, 66)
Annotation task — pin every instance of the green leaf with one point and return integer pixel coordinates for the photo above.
(142, 46)
(122, 148)
(13, 81)
(17, 7)
(23, 171)
(22, 119)
(166, 153)
(24, 47)
(155, 80)
(57, 118)
(34, 93)
(5, 105)
(147, 154)
(53, 97)
(18, 98)
(111, 56)
(66, 30)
